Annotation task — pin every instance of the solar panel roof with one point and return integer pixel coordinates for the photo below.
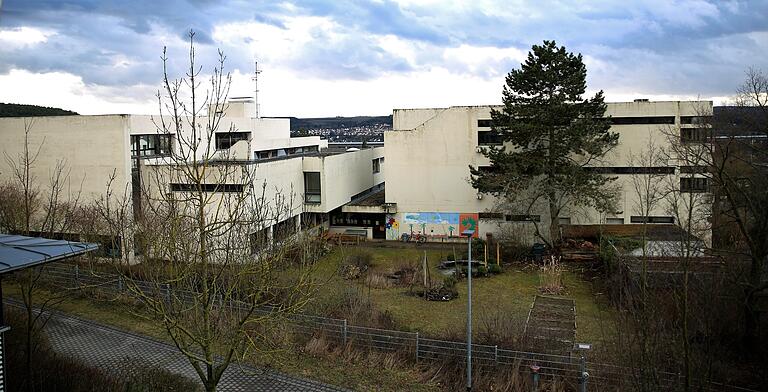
(18, 252)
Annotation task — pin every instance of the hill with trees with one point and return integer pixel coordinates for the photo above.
(19, 110)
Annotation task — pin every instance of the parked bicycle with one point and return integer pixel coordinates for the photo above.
(413, 237)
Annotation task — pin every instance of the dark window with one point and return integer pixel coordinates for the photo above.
(228, 188)
(376, 165)
(693, 169)
(491, 215)
(651, 219)
(694, 134)
(523, 218)
(227, 139)
(694, 119)
(488, 138)
(632, 170)
(694, 184)
(312, 187)
(655, 120)
(483, 123)
(151, 145)
(259, 240)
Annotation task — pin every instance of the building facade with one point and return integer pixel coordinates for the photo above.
(429, 151)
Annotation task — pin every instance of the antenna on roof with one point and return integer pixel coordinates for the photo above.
(255, 78)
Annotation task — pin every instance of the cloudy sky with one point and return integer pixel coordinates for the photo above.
(339, 57)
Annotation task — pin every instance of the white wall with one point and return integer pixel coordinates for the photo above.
(91, 147)
(342, 176)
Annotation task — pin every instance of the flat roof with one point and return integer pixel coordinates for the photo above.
(18, 252)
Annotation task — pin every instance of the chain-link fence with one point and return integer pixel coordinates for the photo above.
(536, 365)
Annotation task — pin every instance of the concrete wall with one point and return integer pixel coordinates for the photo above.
(91, 147)
(343, 176)
(428, 153)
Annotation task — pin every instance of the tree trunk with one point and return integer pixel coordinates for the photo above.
(751, 316)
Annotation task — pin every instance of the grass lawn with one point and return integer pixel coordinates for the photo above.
(510, 293)
(332, 368)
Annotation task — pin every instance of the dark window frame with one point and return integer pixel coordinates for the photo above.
(652, 219)
(694, 185)
(158, 145)
(522, 218)
(225, 140)
(217, 188)
(644, 120)
(312, 193)
(489, 138)
(632, 169)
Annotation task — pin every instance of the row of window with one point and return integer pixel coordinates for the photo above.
(281, 152)
(226, 140)
(226, 188)
(645, 120)
(567, 220)
(632, 170)
(687, 135)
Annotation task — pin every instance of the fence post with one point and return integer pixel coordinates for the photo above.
(417, 347)
(496, 354)
(583, 375)
(77, 276)
(345, 332)
(119, 284)
(167, 294)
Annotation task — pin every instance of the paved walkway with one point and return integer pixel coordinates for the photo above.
(107, 347)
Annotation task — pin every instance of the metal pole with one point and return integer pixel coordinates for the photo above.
(583, 376)
(469, 313)
(345, 333)
(417, 347)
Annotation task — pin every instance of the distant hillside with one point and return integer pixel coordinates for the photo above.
(17, 110)
(338, 122)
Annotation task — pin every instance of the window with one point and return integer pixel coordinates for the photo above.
(483, 123)
(488, 138)
(651, 219)
(655, 120)
(694, 119)
(227, 188)
(523, 218)
(693, 169)
(694, 184)
(150, 145)
(376, 165)
(227, 139)
(491, 216)
(694, 134)
(632, 170)
(312, 187)
(614, 221)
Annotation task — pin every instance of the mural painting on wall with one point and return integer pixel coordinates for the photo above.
(469, 222)
(433, 224)
(393, 228)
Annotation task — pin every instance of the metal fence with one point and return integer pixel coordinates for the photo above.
(573, 368)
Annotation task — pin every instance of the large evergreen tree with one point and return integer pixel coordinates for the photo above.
(551, 136)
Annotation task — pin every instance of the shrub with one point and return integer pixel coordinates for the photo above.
(355, 264)
(451, 257)
(495, 269)
(482, 271)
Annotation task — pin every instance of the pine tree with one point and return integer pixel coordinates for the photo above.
(551, 136)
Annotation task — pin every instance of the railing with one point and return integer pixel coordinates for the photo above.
(420, 348)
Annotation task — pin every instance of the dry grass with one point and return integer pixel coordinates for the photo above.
(551, 276)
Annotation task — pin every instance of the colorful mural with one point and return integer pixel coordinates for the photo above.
(435, 225)
(469, 222)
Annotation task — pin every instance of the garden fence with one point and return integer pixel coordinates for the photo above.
(573, 368)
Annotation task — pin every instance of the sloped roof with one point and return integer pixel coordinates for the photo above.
(18, 252)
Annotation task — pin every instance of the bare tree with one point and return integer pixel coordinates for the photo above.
(217, 245)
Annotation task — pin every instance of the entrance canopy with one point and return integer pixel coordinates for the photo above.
(19, 252)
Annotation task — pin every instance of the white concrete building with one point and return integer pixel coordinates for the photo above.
(429, 151)
(97, 148)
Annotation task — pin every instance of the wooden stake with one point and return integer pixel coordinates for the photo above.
(498, 254)
(485, 255)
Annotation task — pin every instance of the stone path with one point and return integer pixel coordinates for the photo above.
(107, 347)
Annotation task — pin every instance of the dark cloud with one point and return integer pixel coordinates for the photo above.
(680, 47)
